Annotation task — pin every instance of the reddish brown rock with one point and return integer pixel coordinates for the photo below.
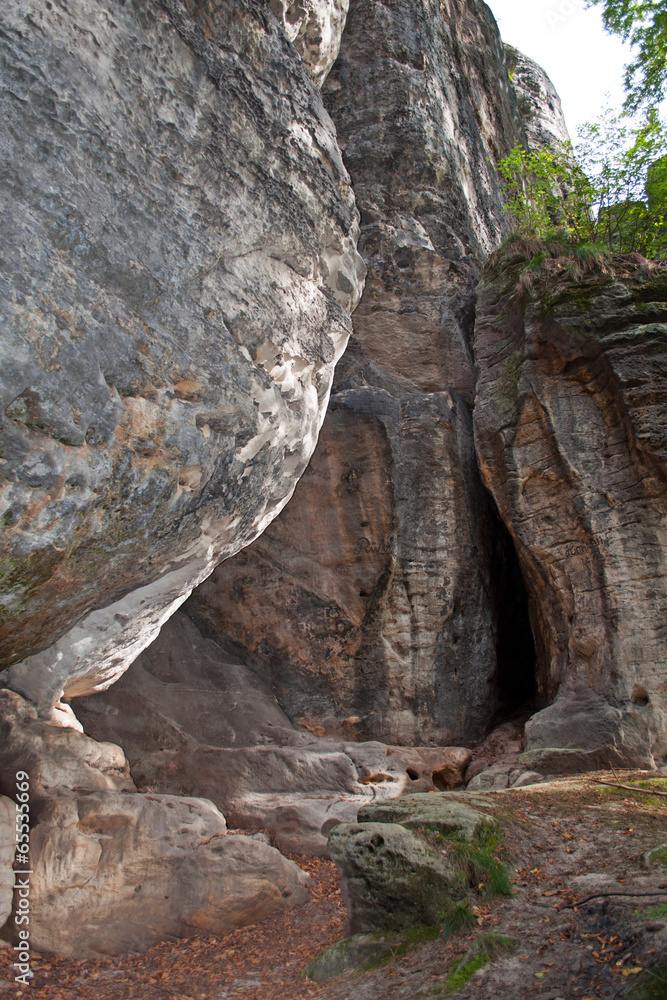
(369, 605)
(571, 430)
(450, 768)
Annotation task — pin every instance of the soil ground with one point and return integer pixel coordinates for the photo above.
(564, 842)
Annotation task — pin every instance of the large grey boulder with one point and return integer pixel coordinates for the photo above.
(392, 879)
(178, 238)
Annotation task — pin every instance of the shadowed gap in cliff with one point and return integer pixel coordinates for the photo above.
(515, 647)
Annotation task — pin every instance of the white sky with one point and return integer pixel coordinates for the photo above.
(568, 41)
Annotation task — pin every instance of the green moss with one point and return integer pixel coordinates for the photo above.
(462, 973)
(486, 948)
(507, 384)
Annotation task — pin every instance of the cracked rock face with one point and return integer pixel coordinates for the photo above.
(178, 242)
(572, 438)
(383, 556)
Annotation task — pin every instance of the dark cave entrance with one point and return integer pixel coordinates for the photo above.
(515, 647)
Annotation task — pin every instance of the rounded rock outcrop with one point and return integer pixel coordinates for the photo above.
(179, 263)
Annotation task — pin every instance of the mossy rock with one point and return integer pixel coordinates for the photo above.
(392, 879)
(365, 951)
(438, 813)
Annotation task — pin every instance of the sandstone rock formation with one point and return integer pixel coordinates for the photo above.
(314, 27)
(570, 424)
(7, 851)
(369, 606)
(193, 723)
(118, 872)
(114, 870)
(538, 102)
(392, 878)
(178, 241)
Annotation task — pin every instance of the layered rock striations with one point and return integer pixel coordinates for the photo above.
(178, 241)
(571, 432)
(369, 606)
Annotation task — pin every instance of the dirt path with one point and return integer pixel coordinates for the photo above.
(563, 842)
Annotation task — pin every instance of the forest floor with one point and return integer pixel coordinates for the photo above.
(563, 842)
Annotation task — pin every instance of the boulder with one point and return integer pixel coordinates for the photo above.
(439, 813)
(571, 431)
(7, 851)
(392, 879)
(114, 870)
(450, 767)
(352, 954)
(314, 27)
(178, 241)
(117, 872)
(384, 555)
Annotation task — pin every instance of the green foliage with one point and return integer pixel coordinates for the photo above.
(456, 918)
(478, 859)
(609, 195)
(644, 24)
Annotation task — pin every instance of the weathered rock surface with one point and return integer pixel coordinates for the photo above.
(179, 263)
(571, 430)
(392, 879)
(440, 813)
(115, 870)
(314, 27)
(193, 723)
(7, 851)
(384, 555)
(55, 757)
(538, 102)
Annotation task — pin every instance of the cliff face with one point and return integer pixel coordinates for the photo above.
(570, 424)
(371, 599)
(178, 240)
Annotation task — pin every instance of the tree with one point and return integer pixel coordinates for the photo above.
(644, 24)
(609, 192)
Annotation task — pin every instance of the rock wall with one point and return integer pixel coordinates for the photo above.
(570, 424)
(178, 240)
(193, 722)
(538, 102)
(369, 605)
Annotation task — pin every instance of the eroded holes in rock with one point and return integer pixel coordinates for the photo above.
(412, 774)
(515, 647)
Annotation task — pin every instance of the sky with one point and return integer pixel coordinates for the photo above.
(568, 41)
